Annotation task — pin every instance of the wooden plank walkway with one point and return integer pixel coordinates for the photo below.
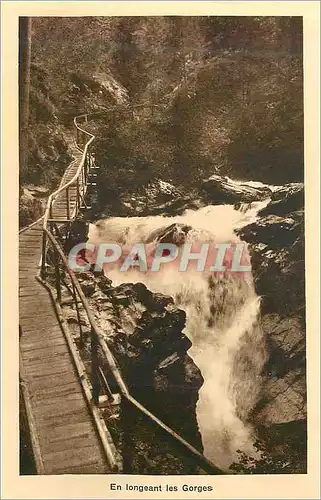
(66, 434)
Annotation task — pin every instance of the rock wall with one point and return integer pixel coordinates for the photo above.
(144, 332)
(276, 242)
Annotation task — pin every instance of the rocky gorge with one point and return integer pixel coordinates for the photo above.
(148, 334)
(199, 137)
(145, 333)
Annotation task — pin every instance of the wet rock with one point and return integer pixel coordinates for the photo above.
(158, 329)
(178, 206)
(274, 231)
(128, 292)
(141, 291)
(285, 200)
(144, 330)
(279, 274)
(88, 287)
(220, 190)
(276, 245)
(103, 283)
(285, 399)
(284, 395)
(158, 302)
(175, 233)
(279, 279)
(287, 338)
(157, 198)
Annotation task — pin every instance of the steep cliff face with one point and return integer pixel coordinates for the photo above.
(276, 242)
(49, 133)
(212, 94)
(218, 107)
(144, 332)
(48, 150)
(205, 99)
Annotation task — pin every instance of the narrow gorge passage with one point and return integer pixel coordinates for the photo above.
(223, 320)
(198, 140)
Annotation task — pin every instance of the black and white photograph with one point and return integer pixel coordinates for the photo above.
(162, 248)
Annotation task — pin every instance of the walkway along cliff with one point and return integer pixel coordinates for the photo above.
(63, 406)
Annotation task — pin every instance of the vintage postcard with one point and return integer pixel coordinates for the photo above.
(160, 211)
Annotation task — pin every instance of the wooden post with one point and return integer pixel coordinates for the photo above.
(77, 196)
(87, 163)
(57, 276)
(94, 367)
(58, 234)
(106, 385)
(81, 335)
(67, 201)
(83, 176)
(84, 171)
(43, 255)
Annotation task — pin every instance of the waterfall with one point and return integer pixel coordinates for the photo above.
(222, 322)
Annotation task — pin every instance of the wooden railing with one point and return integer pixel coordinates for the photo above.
(54, 258)
(73, 191)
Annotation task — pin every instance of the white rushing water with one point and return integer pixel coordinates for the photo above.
(255, 184)
(222, 323)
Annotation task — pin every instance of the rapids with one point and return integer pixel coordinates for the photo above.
(222, 322)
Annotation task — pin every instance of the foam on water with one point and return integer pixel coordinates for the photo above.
(222, 323)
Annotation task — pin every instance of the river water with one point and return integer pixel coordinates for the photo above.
(223, 322)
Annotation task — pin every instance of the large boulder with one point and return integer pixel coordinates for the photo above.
(278, 263)
(159, 198)
(219, 190)
(287, 199)
(144, 330)
(274, 231)
(155, 198)
(174, 233)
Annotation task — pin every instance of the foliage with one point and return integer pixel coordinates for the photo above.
(48, 156)
(228, 91)
(281, 449)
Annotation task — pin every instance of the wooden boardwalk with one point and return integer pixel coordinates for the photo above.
(67, 431)
(61, 422)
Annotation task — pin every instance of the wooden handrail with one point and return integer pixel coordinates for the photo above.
(96, 333)
(112, 365)
(109, 357)
(73, 180)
